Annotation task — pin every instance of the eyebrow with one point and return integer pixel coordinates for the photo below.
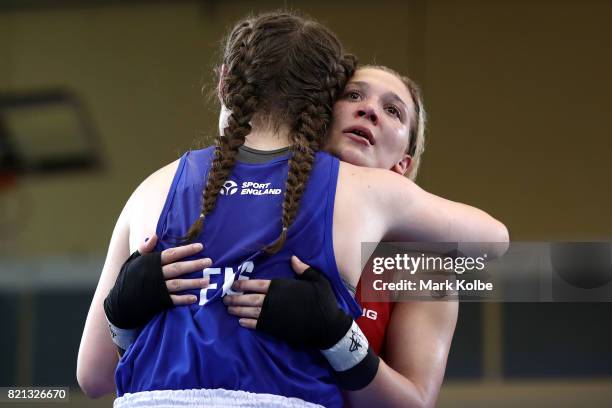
(365, 86)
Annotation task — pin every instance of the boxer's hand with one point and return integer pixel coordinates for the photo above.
(172, 268)
(304, 313)
(301, 311)
(248, 307)
(148, 283)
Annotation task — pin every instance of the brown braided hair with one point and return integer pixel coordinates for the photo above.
(286, 70)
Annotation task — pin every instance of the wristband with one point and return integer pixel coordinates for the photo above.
(354, 362)
(304, 313)
(122, 338)
(359, 376)
(349, 351)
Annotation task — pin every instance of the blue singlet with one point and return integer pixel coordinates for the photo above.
(201, 345)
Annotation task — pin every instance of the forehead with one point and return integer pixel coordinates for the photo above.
(382, 82)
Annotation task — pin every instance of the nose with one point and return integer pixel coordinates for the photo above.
(369, 113)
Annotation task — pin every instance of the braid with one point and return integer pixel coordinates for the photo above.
(304, 137)
(242, 101)
(341, 73)
(310, 124)
(289, 70)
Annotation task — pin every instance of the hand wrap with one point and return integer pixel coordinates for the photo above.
(139, 294)
(304, 313)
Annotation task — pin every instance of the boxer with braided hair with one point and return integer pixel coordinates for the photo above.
(280, 75)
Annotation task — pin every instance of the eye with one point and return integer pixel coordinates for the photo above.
(393, 110)
(353, 95)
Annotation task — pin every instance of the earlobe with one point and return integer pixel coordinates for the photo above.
(403, 165)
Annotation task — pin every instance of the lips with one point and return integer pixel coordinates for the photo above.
(361, 132)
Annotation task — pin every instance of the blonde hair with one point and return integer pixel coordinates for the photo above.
(416, 135)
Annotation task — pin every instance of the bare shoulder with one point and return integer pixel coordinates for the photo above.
(359, 215)
(379, 189)
(160, 179)
(147, 201)
(364, 178)
(349, 170)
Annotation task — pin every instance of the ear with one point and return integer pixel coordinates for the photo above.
(222, 73)
(403, 165)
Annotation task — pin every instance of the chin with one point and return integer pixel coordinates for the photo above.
(354, 157)
(348, 152)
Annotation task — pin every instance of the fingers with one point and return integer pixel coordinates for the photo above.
(251, 285)
(298, 266)
(247, 307)
(244, 300)
(180, 268)
(248, 323)
(148, 245)
(174, 254)
(180, 300)
(178, 285)
(304, 271)
(244, 311)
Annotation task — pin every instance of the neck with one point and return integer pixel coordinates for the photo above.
(267, 138)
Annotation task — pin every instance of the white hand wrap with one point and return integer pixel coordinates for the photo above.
(123, 338)
(349, 351)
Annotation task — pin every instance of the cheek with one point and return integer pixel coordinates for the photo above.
(397, 142)
(401, 138)
(332, 141)
(340, 111)
(334, 132)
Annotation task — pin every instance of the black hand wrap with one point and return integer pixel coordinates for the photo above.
(304, 313)
(139, 293)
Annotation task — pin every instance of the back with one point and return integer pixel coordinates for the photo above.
(201, 345)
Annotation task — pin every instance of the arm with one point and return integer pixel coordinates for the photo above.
(98, 358)
(418, 341)
(406, 212)
(419, 337)
(97, 354)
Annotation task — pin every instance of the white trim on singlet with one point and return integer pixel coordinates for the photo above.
(217, 398)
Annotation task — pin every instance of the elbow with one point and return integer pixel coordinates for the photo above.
(504, 234)
(429, 400)
(501, 241)
(424, 401)
(425, 396)
(92, 386)
(95, 369)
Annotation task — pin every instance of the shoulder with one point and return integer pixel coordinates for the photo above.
(159, 182)
(155, 183)
(369, 174)
(376, 186)
(382, 200)
(146, 203)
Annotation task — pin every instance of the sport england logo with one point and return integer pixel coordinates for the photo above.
(229, 187)
(249, 188)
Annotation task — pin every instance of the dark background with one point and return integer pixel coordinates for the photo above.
(519, 98)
